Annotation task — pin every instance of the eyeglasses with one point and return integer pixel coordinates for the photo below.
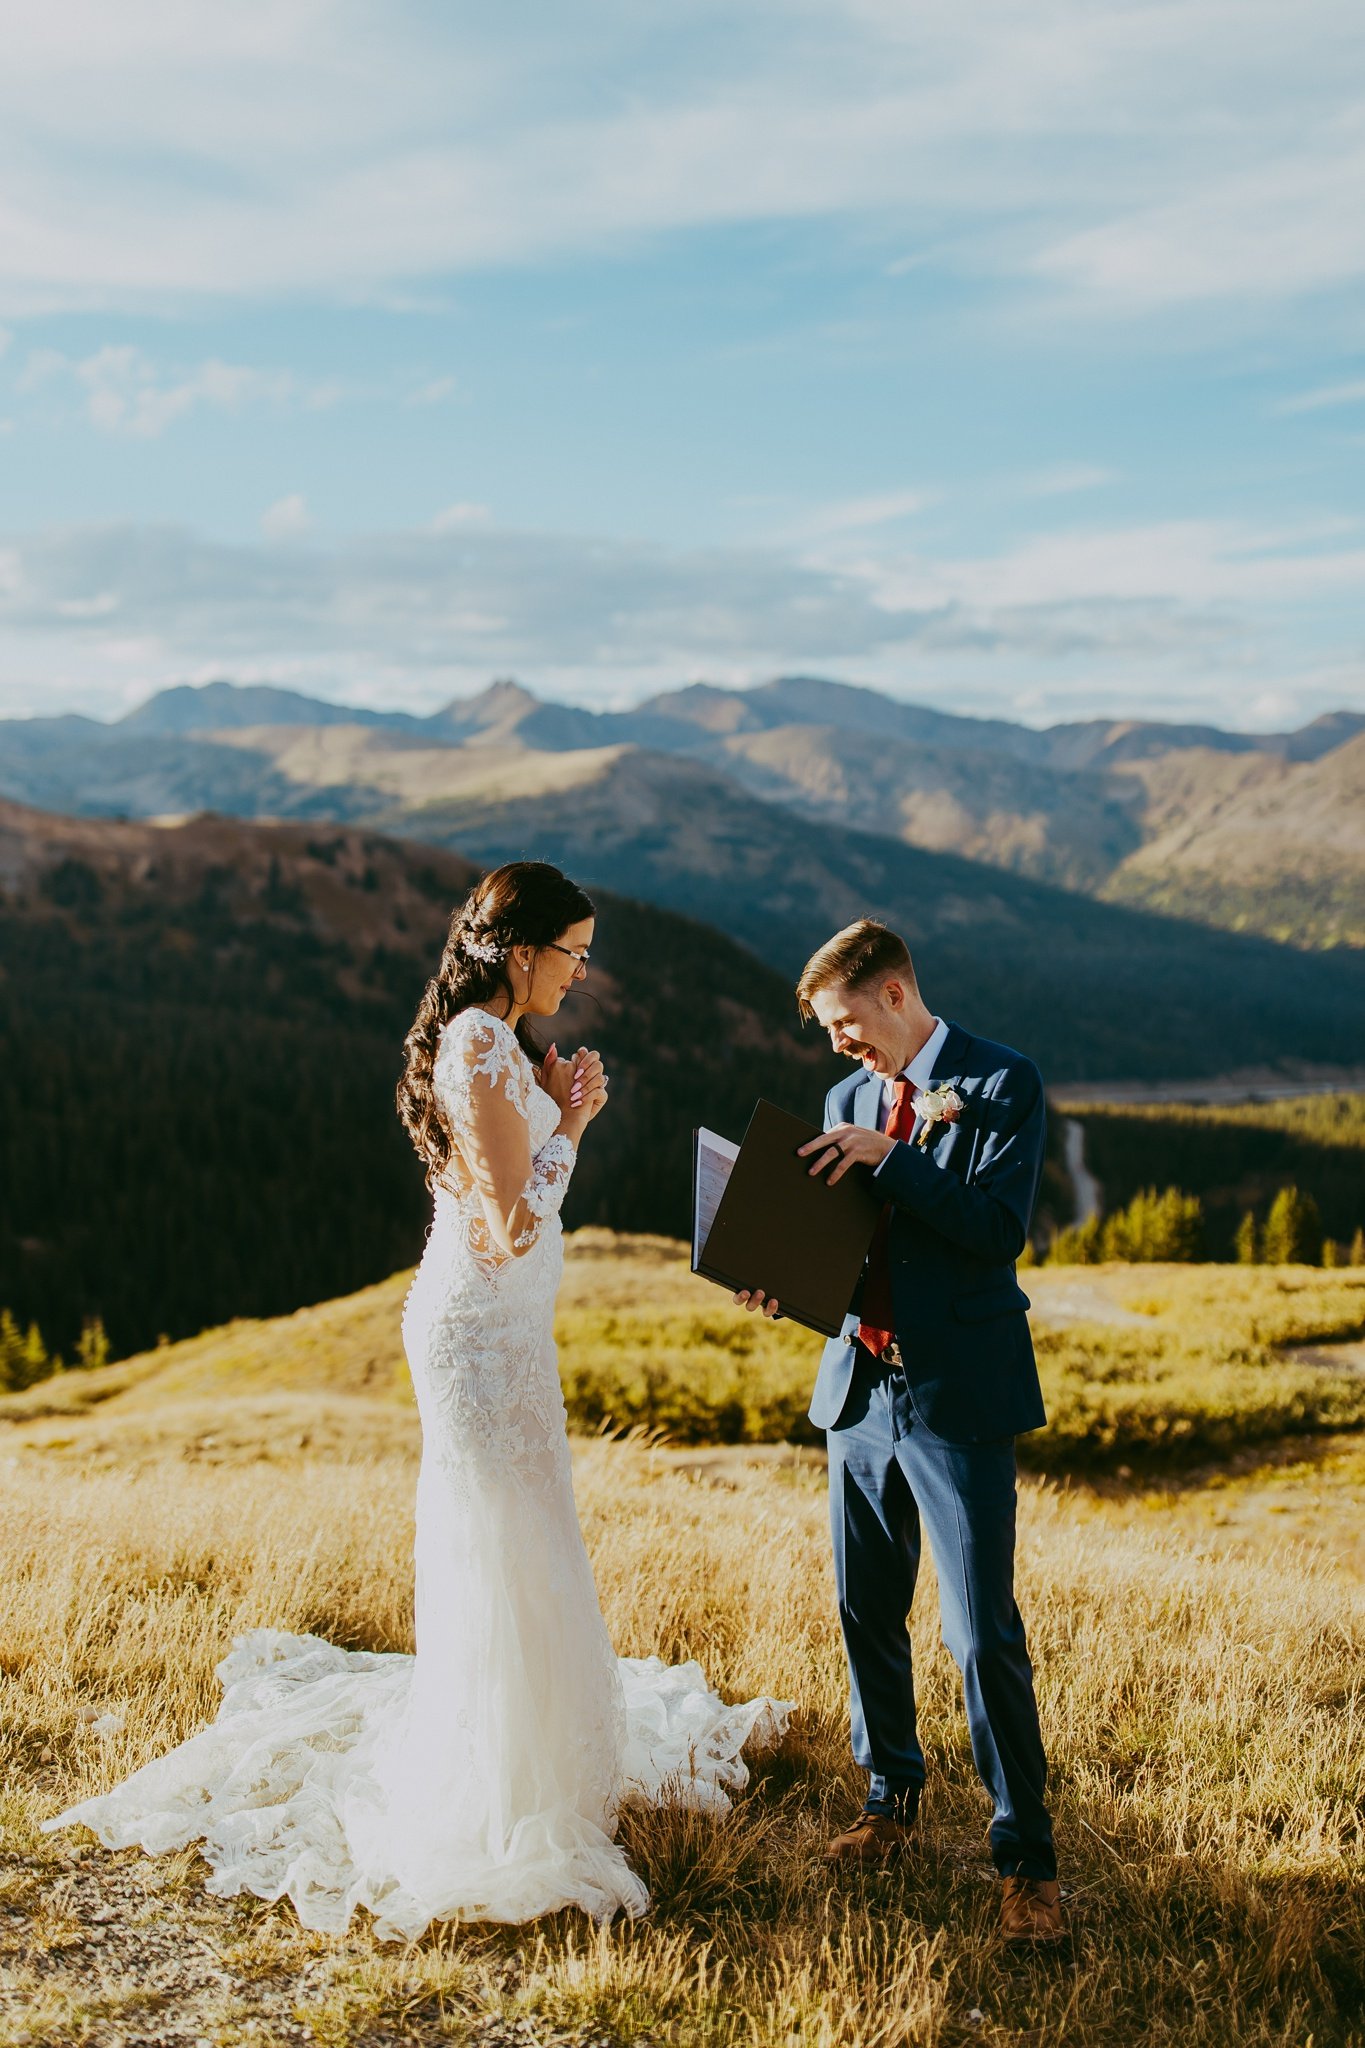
(580, 960)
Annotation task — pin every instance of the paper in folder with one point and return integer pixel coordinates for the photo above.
(760, 1218)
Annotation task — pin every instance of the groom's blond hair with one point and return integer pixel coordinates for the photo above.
(862, 952)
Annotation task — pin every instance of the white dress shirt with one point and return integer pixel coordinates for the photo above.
(917, 1073)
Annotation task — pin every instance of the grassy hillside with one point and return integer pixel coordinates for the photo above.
(1254, 843)
(1093, 991)
(203, 1027)
(1234, 1157)
(1056, 825)
(1151, 1365)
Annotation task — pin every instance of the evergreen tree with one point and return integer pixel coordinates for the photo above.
(1077, 1245)
(1357, 1254)
(1155, 1227)
(23, 1358)
(92, 1346)
(1293, 1231)
(1180, 1226)
(1248, 1241)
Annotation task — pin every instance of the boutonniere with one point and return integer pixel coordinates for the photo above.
(941, 1105)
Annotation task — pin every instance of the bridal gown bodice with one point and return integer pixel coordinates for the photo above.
(477, 1322)
(481, 1777)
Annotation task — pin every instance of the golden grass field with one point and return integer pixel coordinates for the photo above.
(1194, 1588)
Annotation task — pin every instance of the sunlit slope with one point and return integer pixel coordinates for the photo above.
(1149, 1364)
(353, 1345)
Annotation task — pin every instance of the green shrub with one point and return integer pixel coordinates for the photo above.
(1293, 1231)
(702, 1378)
(1077, 1245)
(1153, 1227)
(1203, 1372)
(23, 1357)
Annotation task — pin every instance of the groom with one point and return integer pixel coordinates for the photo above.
(922, 1394)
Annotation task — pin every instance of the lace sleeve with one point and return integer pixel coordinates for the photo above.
(544, 1192)
(482, 1081)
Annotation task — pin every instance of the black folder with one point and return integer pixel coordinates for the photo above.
(779, 1227)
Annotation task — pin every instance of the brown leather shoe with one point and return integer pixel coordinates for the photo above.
(1031, 1910)
(873, 1838)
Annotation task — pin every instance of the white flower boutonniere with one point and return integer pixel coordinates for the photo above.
(939, 1105)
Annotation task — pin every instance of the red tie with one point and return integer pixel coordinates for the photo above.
(879, 1314)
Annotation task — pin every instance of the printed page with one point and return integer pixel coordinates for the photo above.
(715, 1157)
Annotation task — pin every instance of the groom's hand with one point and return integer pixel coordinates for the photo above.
(844, 1146)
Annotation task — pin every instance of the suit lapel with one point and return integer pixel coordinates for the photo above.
(949, 1066)
(951, 1058)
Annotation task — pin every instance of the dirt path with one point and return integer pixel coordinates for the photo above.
(1335, 1357)
(1078, 1301)
(122, 1950)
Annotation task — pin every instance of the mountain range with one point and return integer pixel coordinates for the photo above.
(1244, 831)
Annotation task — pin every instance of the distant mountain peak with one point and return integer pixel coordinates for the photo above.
(500, 702)
(708, 706)
(221, 705)
(504, 693)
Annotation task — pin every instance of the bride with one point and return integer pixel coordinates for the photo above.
(481, 1778)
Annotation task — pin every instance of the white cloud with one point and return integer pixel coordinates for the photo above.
(126, 393)
(857, 515)
(455, 516)
(1283, 228)
(1193, 618)
(286, 516)
(1273, 707)
(1178, 562)
(1139, 152)
(1062, 480)
(100, 606)
(435, 392)
(1327, 395)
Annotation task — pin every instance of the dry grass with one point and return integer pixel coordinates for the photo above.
(1197, 1638)
(1201, 1702)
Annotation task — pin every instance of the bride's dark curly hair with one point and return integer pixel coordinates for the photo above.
(525, 903)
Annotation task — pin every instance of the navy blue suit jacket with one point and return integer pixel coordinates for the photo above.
(959, 1220)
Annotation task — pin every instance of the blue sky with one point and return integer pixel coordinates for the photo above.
(1008, 358)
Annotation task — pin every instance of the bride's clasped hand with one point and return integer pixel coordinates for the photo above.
(482, 1776)
(575, 1085)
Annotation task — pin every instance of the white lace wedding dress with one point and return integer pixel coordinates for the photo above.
(480, 1778)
